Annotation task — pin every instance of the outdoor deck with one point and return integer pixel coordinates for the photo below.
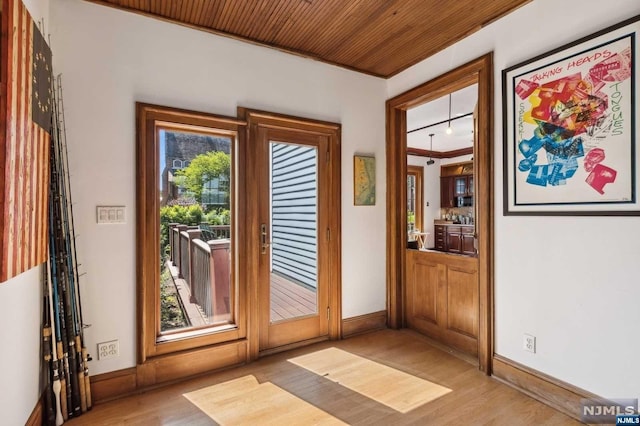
(290, 300)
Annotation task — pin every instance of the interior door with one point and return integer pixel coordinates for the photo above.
(293, 262)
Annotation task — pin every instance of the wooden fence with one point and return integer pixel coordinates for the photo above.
(205, 266)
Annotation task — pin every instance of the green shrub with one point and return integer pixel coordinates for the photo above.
(184, 215)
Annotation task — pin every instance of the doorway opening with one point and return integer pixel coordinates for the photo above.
(440, 141)
(473, 332)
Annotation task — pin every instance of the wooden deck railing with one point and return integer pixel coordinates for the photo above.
(215, 232)
(204, 264)
(201, 283)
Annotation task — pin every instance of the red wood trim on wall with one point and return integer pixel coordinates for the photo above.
(436, 154)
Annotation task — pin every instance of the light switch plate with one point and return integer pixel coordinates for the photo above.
(110, 214)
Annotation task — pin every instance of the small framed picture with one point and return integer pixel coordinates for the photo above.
(364, 180)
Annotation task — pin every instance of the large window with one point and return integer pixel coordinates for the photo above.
(195, 280)
(186, 221)
(215, 192)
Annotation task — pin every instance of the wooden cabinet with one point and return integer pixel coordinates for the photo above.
(452, 187)
(456, 180)
(442, 298)
(440, 235)
(467, 241)
(454, 242)
(460, 186)
(464, 186)
(447, 198)
(455, 239)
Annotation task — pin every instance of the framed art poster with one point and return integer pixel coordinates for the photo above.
(569, 123)
(364, 180)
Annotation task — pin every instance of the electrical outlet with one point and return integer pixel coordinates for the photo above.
(108, 349)
(529, 343)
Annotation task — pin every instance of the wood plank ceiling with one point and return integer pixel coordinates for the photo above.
(377, 37)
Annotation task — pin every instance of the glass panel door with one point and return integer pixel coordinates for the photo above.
(292, 205)
(294, 230)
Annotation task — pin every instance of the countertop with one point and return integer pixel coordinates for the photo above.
(450, 222)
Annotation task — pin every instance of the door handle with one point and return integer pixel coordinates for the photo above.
(265, 238)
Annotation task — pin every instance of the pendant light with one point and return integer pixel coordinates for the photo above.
(430, 161)
(449, 129)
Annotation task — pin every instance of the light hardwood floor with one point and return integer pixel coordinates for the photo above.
(475, 398)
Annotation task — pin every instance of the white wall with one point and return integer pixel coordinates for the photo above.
(570, 281)
(111, 59)
(20, 305)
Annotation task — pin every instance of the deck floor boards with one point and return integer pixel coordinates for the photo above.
(290, 300)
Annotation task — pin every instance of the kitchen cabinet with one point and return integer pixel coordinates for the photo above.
(456, 185)
(447, 198)
(440, 235)
(460, 184)
(455, 239)
(453, 187)
(467, 241)
(463, 186)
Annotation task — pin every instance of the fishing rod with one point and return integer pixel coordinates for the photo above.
(49, 414)
(51, 334)
(58, 364)
(56, 386)
(64, 281)
(67, 275)
(67, 361)
(55, 370)
(83, 367)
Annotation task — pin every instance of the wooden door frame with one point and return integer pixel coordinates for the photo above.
(257, 119)
(319, 321)
(478, 71)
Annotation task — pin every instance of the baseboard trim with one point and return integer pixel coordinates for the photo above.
(555, 393)
(113, 385)
(166, 369)
(364, 323)
(292, 346)
(35, 419)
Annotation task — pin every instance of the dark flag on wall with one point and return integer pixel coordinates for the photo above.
(41, 99)
(25, 121)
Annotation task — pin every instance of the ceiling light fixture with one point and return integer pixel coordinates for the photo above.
(431, 161)
(449, 129)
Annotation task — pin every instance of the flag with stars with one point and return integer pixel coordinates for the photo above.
(25, 122)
